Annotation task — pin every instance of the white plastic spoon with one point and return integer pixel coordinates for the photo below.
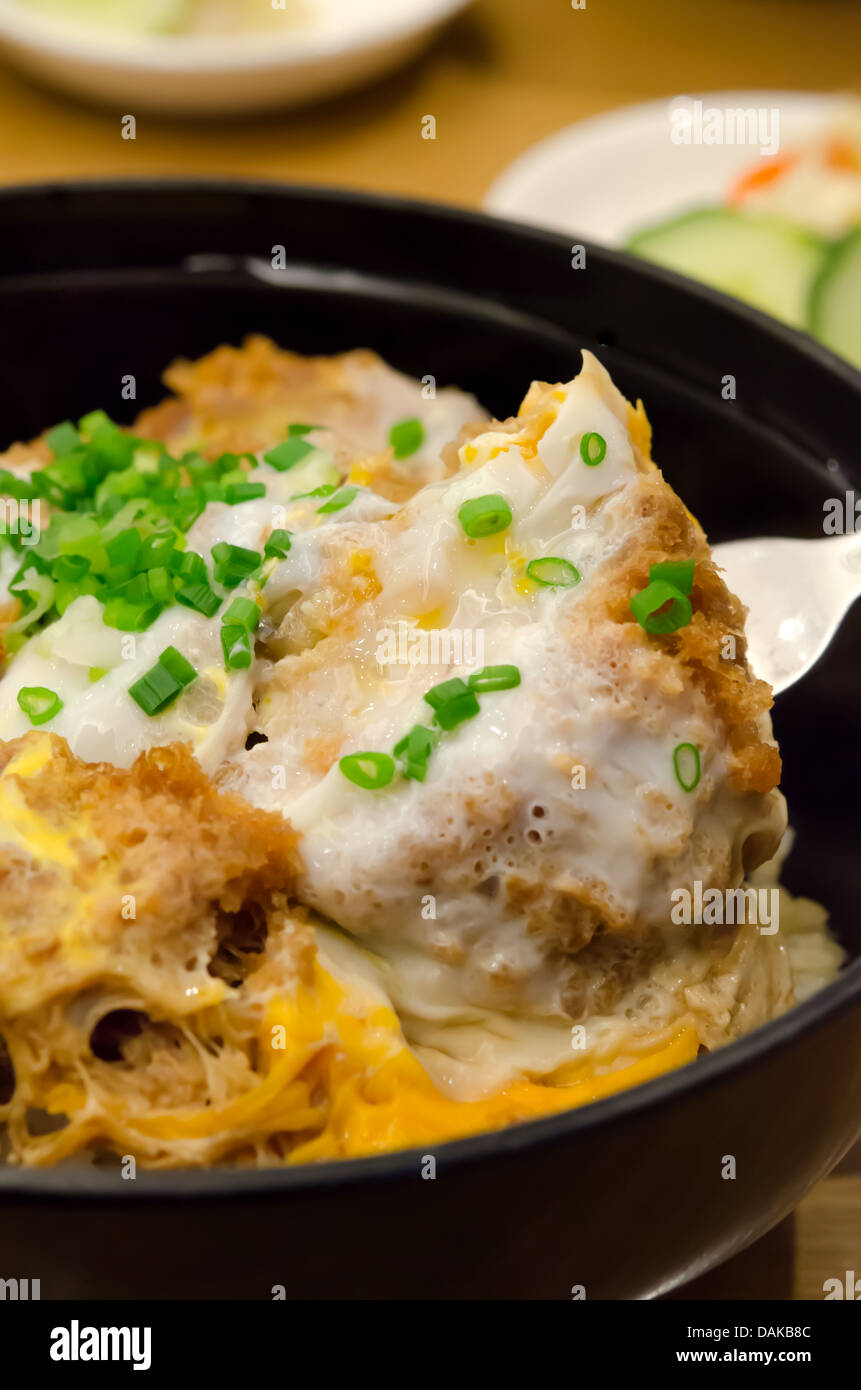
(798, 593)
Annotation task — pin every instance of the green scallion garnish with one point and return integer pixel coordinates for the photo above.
(686, 763)
(339, 500)
(554, 572)
(485, 516)
(63, 439)
(494, 678)
(11, 486)
(236, 646)
(646, 606)
(593, 448)
(130, 615)
(406, 437)
(243, 612)
(234, 493)
(192, 568)
(125, 547)
(293, 450)
(277, 545)
(38, 703)
(372, 771)
(160, 686)
(160, 586)
(324, 490)
(301, 429)
(199, 597)
(452, 702)
(415, 749)
(679, 573)
(233, 563)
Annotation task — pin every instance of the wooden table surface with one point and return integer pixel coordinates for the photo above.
(502, 76)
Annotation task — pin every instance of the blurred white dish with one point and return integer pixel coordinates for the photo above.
(348, 42)
(609, 176)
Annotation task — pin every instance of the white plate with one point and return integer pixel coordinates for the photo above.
(352, 41)
(608, 177)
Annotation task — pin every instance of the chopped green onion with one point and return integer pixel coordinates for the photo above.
(593, 449)
(199, 597)
(494, 678)
(95, 421)
(83, 536)
(110, 447)
(124, 548)
(415, 750)
(136, 587)
(63, 439)
(235, 493)
(130, 615)
(278, 544)
(288, 454)
(20, 488)
(554, 572)
(68, 590)
(646, 604)
(116, 578)
(37, 593)
(199, 469)
(452, 702)
(136, 511)
(70, 567)
(228, 464)
(371, 771)
(212, 491)
(236, 646)
(302, 429)
(324, 490)
(686, 763)
(38, 703)
(189, 505)
(233, 475)
(192, 567)
(233, 563)
(95, 673)
(341, 499)
(47, 486)
(160, 586)
(485, 516)
(243, 612)
(679, 573)
(406, 437)
(163, 554)
(181, 669)
(160, 686)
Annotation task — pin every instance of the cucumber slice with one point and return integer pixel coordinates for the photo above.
(835, 299)
(762, 259)
(121, 16)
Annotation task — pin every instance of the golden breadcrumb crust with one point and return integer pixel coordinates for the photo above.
(122, 866)
(241, 400)
(133, 905)
(659, 528)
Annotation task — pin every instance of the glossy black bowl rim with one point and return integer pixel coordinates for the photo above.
(72, 1183)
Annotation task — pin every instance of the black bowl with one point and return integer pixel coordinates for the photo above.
(625, 1197)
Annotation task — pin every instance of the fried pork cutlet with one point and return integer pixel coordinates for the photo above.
(502, 718)
(244, 399)
(133, 906)
(543, 818)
